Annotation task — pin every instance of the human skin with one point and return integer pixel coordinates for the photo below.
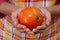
(7, 9)
(54, 11)
(11, 11)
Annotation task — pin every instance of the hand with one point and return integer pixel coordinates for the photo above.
(14, 21)
(46, 22)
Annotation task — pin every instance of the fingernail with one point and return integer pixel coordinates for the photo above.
(38, 27)
(27, 30)
(18, 26)
(47, 23)
(34, 30)
(24, 27)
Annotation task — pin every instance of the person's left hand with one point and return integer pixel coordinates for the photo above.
(46, 22)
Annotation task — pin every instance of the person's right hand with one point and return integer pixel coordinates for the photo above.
(46, 22)
(13, 19)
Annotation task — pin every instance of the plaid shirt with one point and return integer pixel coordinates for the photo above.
(7, 32)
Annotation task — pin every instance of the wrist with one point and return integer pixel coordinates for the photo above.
(17, 11)
(7, 8)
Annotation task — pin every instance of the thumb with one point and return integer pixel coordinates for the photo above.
(47, 15)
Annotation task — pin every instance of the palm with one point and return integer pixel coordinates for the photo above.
(46, 22)
(14, 21)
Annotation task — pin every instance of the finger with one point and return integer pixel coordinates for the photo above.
(12, 21)
(16, 32)
(32, 33)
(47, 15)
(22, 30)
(48, 18)
(38, 31)
(9, 19)
(27, 29)
(14, 15)
(15, 21)
(19, 26)
(42, 27)
(35, 31)
(16, 12)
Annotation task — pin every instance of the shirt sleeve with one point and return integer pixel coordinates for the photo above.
(1, 1)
